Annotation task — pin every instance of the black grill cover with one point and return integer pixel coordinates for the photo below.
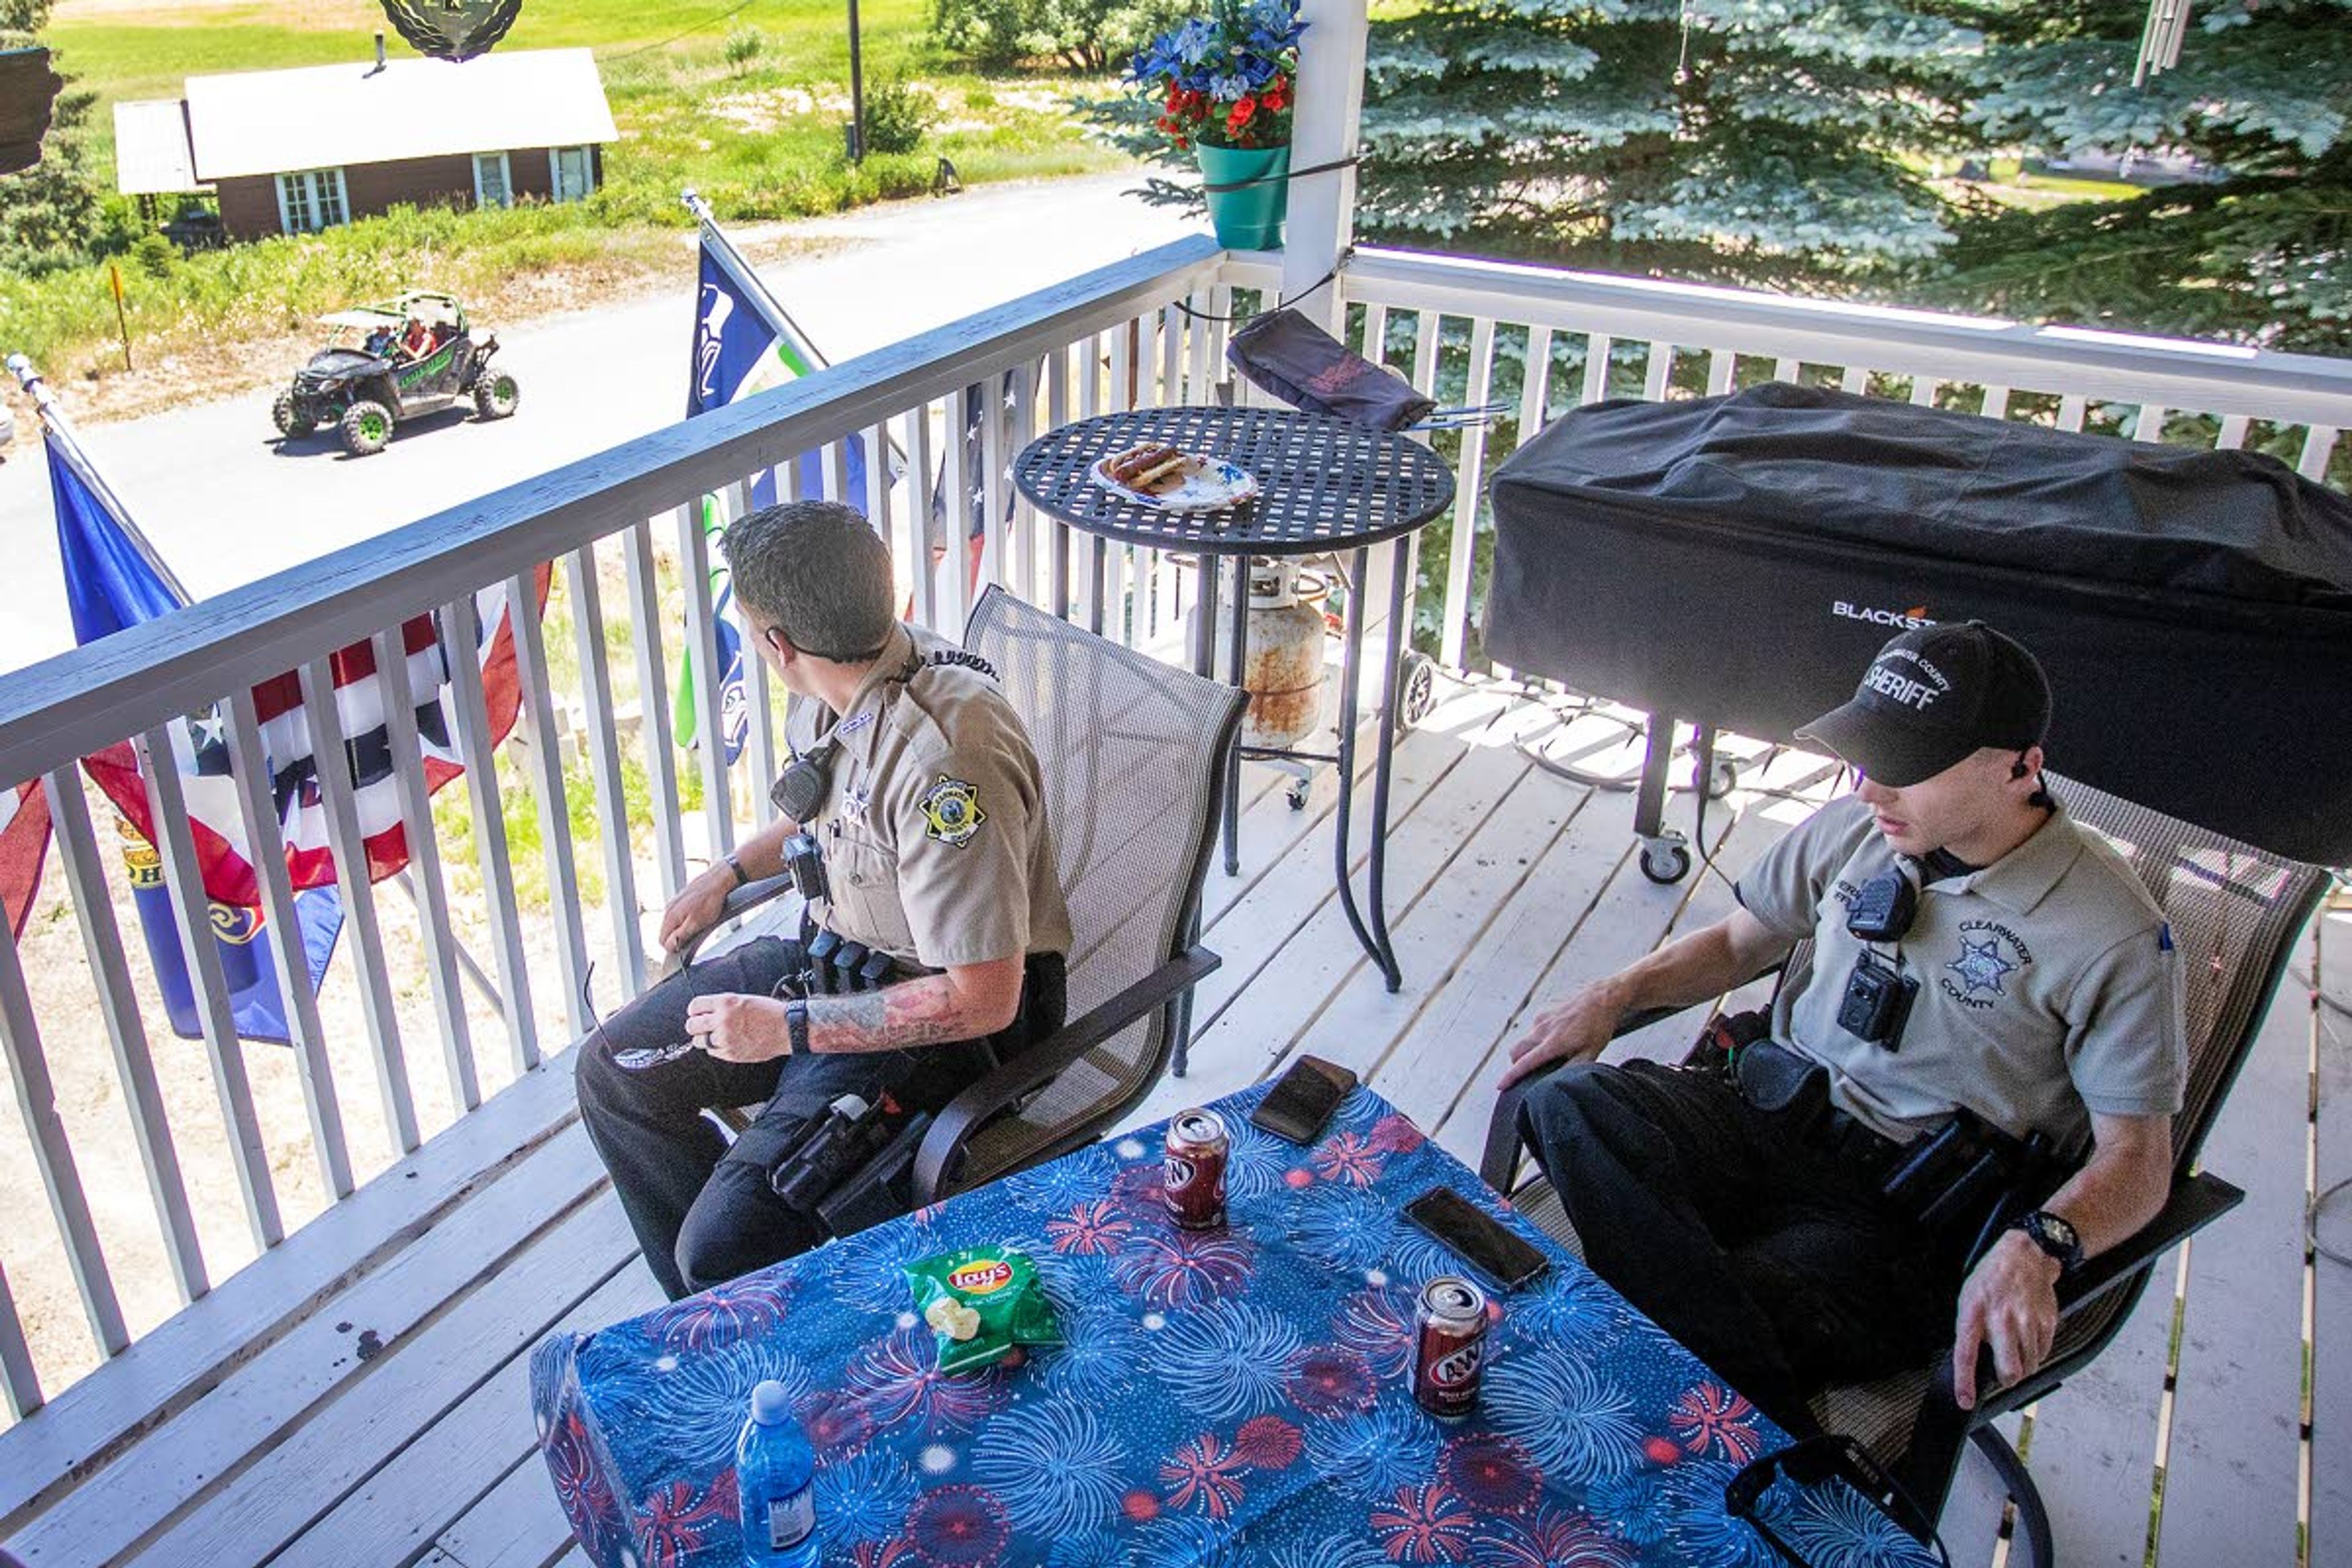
(1738, 560)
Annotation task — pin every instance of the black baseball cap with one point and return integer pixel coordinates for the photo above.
(1933, 697)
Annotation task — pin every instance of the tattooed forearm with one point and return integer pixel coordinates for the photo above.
(925, 1012)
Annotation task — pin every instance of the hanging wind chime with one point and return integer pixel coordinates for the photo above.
(453, 29)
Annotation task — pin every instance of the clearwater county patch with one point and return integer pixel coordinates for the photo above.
(952, 811)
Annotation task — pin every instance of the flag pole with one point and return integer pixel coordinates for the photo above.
(54, 420)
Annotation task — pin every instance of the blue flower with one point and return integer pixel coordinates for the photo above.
(1578, 1426)
(1373, 1454)
(865, 1496)
(1229, 1360)
(1056, 1468)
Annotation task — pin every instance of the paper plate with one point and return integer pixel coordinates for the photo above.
(1203, 484)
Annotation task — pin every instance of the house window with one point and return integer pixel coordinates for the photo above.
(571, 170)
(492, 188)
(312, 200)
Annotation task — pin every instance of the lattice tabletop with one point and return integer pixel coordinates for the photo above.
(1329, 485)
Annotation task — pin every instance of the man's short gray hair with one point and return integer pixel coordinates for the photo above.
(820, 573)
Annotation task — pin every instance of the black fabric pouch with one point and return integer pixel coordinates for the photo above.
(1773, 1078)
(1285, 354)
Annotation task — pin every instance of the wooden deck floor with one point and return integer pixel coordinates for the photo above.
(383, 1420)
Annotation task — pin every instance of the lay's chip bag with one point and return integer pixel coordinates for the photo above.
(979, 1303)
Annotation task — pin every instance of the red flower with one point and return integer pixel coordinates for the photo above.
(959, 1525)
(1277, 93)
(1242, 109)
(1202, 1471)
(1492, 1473)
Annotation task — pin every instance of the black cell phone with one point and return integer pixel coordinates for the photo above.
(1302, 1100)
(1479, 1237)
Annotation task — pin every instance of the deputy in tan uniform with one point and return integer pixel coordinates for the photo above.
(1977, 955)
(912, 814)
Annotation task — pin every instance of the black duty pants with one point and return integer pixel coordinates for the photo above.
(701, 1208)
(1760, 1252)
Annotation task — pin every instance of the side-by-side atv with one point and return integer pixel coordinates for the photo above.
(392, 362)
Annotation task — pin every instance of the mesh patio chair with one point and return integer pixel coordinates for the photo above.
(1133, 754)
(2235, 912)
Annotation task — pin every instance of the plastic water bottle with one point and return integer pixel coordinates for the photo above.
(774, 1471)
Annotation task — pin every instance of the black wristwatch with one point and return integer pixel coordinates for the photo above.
(742, 878)
(2055, 1235)
(796, 1025)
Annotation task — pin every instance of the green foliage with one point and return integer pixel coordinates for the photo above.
(744, 47)
(1075, 35)
(51, 213)
(897, 115)
(1755, 141)
(154, 256)
(2264, 255)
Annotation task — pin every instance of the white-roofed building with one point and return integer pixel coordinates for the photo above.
(291, 152)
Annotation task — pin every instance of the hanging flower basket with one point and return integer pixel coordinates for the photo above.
(1220, 86)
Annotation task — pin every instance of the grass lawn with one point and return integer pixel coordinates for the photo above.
(761, 137)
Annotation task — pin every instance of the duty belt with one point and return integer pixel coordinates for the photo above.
(1774, 1079)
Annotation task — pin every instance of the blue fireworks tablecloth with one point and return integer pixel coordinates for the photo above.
(1225, 1397)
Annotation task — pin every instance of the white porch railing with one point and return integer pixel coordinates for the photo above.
(625, 523)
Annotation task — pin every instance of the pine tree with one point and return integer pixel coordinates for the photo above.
(1770, 142)
(2264, 91)
(52, 213)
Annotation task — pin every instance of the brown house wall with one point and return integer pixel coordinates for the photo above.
(249, 203)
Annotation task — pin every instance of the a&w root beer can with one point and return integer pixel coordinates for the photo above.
(1193, 1176)
(1451, 1319)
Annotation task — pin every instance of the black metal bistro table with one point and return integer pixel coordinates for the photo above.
(1327, 486)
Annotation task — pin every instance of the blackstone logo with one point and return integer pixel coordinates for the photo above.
(1909, 620)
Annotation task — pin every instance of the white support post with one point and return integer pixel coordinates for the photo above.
(1324, 129)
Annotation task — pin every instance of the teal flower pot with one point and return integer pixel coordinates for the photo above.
(1251, 217)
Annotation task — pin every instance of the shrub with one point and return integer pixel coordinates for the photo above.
(154, 256)
(897, 115)
(744, 47)
(1078, 35)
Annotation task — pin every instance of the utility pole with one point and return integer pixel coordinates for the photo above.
(857, 92)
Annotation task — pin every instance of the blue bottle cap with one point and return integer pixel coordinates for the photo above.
(771, 1403)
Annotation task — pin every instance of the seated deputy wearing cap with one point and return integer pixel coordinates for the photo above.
(1988, 980)
(933, 943)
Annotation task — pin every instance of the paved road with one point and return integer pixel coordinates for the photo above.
(226, 504)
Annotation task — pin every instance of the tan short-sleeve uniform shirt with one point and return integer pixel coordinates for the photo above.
(2048, 983)
(936, 843)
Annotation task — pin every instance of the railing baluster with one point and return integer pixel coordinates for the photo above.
(1656, 373)
(1596, 348)
(1172, 356)
(1996, 403)
(193, 912)
(1022, 577)
(1855, 379)
(1094, 554)
(1721, 364)
(18, 1381)
(126, 1031)
(1057, 533)
(36, 1103)
(602, 741)
(2318, 445)
(290, 964)
(1196, 341)
(918, 516)
(957, 487)
(398, 693)
(1923, 390)
(1787, 369)
(702, 658)
(1535, 385)
(1376, 334)
(653, 714)
(1468, 477)
(1427, 341)
(2233, 434)
(833, 471)
(362, 931)
(554, 809)
(2149, 426)
(876, 498)
(759, 717)
(2072, 408)
(493, 856)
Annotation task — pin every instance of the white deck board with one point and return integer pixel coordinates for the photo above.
(2331, 1329)
(1508, 887)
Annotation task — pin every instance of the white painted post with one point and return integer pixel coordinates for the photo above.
(1323, 130)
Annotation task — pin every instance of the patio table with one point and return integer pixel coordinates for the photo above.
(1231, 1396)
(1327, 488)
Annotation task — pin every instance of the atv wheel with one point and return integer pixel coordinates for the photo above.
(496, 394)
(366, 428)
(289, 421)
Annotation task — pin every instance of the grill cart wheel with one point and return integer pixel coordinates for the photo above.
(367, 426)
(289, 420)
(495, 393)
(1665, 859)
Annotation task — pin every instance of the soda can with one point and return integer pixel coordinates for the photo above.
(1451, 1324)
(1193, 1175)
